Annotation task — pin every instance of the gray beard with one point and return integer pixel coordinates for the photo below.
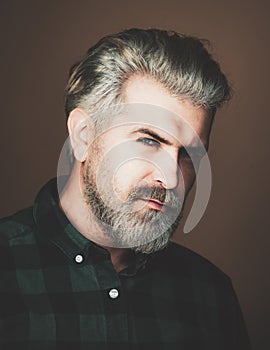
(143, 232)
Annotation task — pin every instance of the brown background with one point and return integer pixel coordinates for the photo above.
(41, 39)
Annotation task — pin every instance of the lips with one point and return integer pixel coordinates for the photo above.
(155, 204)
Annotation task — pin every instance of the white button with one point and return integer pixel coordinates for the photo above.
(79, 258)
(113, 293)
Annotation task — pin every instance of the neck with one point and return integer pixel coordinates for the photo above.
(120, 257)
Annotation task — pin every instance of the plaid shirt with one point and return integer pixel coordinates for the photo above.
(61, 291)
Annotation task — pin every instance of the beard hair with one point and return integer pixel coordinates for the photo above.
(143, 232)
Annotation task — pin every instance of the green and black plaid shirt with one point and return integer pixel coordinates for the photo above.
(61, 291)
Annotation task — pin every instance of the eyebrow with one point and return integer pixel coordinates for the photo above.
(163, 140)
(152, 134)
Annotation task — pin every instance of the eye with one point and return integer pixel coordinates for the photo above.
(149, 142)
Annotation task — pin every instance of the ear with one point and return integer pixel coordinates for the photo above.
(80, 133)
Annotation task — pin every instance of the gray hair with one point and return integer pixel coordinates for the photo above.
(179, 62)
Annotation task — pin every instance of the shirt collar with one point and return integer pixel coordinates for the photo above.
(54, 225)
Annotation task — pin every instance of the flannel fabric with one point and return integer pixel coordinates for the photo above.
(59, 290)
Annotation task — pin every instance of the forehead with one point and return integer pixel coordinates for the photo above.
(147, 102)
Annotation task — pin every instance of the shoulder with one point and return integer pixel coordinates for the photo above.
(17, 226)
(178, 260)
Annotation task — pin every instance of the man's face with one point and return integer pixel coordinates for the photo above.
(140, 169)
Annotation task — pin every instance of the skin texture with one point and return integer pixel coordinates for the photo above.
(144, 146)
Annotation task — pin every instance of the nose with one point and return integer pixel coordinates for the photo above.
(166, 171)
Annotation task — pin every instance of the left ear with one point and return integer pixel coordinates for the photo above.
(80, 133)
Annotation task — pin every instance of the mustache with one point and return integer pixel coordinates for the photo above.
(168, 197)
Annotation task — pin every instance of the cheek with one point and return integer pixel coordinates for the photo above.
(123, 166)
(129, 175)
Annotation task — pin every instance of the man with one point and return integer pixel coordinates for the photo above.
(91, 264)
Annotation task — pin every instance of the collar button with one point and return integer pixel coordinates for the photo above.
(79, 258)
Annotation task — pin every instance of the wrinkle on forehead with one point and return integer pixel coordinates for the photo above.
(147, 90)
